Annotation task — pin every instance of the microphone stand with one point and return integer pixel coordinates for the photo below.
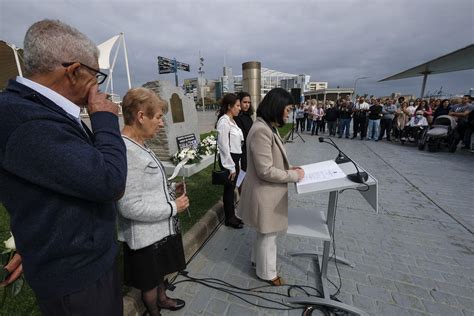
(358, 177)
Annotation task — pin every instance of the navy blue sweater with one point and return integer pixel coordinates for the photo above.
(59, 185)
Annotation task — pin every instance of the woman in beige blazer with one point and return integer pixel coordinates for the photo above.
(264, 201)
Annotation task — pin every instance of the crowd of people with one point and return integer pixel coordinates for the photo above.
(376, 119)
(71, 191)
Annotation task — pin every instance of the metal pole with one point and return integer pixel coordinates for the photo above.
(175, 72)
(355, 84)
(111, 70)
(126, 60)
(17, 60)
(252, 80)
(200, 82)
(425, 77)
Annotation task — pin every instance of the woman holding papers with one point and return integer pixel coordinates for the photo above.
(147, 211)
(264, 201)
(229, 141)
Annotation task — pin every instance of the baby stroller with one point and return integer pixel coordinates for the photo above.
(442, 132)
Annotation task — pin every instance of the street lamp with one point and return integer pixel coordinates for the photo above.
(355, 84)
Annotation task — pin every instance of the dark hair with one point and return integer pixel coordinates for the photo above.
(273, 105)
(227, 102)
(241, 96)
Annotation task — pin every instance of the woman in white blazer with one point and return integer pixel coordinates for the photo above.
(264, 201)
(229, 141)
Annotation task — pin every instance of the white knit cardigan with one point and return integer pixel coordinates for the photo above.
(145, 211)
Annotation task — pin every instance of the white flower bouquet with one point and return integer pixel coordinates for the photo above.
(193, 154)
(207, 146)
(7, 251)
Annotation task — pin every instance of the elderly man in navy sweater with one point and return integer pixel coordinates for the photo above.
(59, 180)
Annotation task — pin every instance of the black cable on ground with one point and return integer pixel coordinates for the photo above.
(238, 291)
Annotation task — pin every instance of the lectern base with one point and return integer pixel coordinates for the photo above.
(321, 282)
(313, 254)
(326, 302)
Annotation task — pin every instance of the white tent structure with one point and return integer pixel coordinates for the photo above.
(105, 49)
(11, 63)
(461, 59)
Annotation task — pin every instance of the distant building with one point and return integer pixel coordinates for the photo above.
(276, 79)
(317, 85)
(227, 81)
(194, 89)
(329, 94)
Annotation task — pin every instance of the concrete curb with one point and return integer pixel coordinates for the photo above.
(192, 241)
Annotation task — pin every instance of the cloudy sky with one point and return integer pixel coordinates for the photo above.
(332, 40)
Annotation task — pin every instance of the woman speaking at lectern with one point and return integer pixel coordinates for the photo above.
(264, 201)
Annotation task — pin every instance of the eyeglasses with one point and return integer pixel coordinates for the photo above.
(100, 76)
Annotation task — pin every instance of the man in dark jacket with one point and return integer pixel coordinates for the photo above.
(59, 180)
(332, 114)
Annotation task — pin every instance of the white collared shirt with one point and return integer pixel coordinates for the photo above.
(229, 140)
(69, 107)
(362, 106)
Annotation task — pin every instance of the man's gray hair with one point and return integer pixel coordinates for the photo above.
(49, 43)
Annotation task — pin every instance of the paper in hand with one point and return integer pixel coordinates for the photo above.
(240, 178)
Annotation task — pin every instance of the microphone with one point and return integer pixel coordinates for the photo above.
(341, 157)
(358, 177)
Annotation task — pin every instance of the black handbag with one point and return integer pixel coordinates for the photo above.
(170, 249)
(219, 177)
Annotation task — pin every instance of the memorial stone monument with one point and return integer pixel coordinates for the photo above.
(181, 122)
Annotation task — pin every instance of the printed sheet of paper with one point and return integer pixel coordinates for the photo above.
(319, 172)
(240, 178)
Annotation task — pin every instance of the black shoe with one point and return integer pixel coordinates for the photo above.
(339, 136)
(352, 137)
(178, 305)
(234, 223)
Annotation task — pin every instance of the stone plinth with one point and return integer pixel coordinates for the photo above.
(181, 118)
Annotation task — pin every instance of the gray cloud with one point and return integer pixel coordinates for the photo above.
(335, 41)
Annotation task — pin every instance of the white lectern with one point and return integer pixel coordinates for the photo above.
(313, 223)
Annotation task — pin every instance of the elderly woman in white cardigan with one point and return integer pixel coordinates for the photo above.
(147, 221)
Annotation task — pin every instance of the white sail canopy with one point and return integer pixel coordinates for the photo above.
(105, 49)
(11, 62)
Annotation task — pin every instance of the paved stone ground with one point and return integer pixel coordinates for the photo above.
(416, 257)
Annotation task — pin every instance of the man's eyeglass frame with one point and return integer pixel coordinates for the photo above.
(100, 76)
